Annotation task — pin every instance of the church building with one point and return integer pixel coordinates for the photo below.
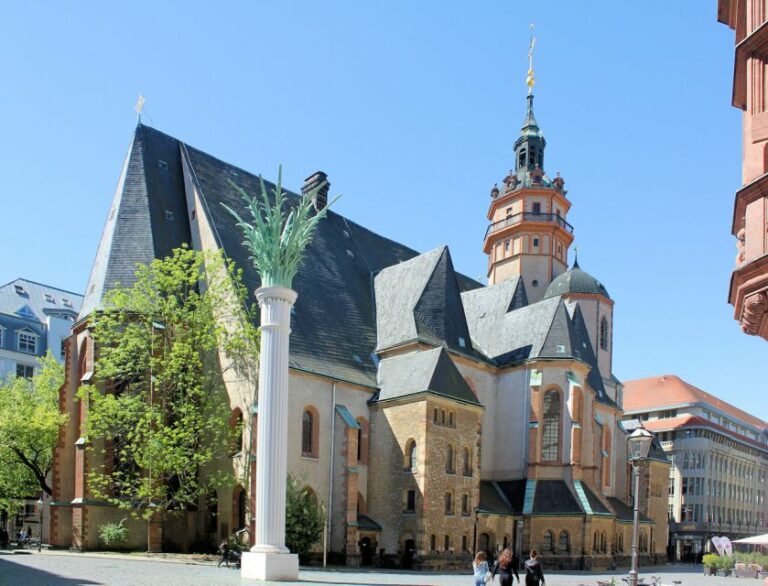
(491, 412)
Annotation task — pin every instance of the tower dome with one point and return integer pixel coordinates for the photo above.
(575, 280)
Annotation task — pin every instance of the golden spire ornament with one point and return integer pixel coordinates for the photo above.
(530, 81)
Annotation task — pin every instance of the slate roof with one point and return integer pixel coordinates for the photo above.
(333, 325)
(148, 216)
(624, 512)
(33, 302)
(554, 497)
(428, 371)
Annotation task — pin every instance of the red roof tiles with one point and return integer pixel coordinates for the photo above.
(666, 391)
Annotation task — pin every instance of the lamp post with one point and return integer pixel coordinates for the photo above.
(41, 503)
(639, 445)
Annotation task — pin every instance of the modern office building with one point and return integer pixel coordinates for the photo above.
(719, 454)
(749, 281)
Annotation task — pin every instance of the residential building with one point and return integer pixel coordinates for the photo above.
(491, 412)
(719, 455)
(34, 319)
(749, 282)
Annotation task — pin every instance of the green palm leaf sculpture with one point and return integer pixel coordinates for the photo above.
(279, 232)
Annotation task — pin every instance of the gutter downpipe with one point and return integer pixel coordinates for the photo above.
(327, 530)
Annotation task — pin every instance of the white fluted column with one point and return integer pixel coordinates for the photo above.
(269, 559)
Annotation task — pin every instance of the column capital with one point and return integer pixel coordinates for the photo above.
(276, 293)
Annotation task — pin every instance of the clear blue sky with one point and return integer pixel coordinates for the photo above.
(412, 109)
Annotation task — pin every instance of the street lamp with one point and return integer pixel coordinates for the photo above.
(638, 445)
(40, 503)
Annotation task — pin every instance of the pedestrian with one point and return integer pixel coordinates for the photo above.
(506, 567)
(533, 572)
(224, 551)
(480, 568)
(23, 538)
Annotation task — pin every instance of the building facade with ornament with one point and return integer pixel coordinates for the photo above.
(491, 412)
(749, 281)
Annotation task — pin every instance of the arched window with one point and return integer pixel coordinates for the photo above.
(603, 546)
(604, 333)
(449, 459)
(465, 505)
(550, 435)
(447, 543)
(596, 542)
(549, 542)
(309, 432)
(448, 503)
(467, 466)
(564, 542)
(432, 542)
(621, 543)
(521, 158)
(411, 455)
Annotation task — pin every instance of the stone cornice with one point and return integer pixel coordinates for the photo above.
(756, 189)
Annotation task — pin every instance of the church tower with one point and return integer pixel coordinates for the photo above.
(528, 236)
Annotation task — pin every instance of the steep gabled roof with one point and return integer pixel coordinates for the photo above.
(421, 299)
(148, 217)
(428, 371)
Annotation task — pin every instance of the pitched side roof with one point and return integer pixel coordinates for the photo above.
(624, 512)
(333, 325)
(669, 390)
(554, 497)
(40, 300)
(148, 217)
(428, 371)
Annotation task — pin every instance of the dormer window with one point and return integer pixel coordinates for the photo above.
(66, 302)
(20, 290)
(462, 342)
(50, 298)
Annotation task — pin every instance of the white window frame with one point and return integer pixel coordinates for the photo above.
(31, 336)
(2, 337)
(25, 366)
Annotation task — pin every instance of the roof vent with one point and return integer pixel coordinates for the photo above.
(560, 349)
(318, 180)
(350, 254)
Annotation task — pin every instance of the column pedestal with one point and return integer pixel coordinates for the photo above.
(259, 565)
(269, 559)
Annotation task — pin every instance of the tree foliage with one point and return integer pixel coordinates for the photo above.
(304, 517)
(278, 233)
(159, 411)
(29, 427)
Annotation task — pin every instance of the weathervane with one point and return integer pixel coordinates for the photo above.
(139, 107)
(531, 80)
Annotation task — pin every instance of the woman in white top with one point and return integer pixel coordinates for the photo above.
(480, 567)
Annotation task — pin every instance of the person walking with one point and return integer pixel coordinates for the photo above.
(506, 567)
(224, 551)
(480, 568)
(534, 575)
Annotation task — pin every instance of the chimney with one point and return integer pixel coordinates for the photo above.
(317, 179)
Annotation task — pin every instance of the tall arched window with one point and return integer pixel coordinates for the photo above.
(548, 543)
(550, 434)
(604, 333)
(449, 459)
(236, 427)
(309, 433)
(467, 467)
(411, 455)
(565, 542)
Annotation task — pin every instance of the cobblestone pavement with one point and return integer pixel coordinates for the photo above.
(65, 569)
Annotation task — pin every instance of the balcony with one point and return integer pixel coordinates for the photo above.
(529, 217)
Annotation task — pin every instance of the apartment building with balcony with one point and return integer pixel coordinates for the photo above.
(719, 453)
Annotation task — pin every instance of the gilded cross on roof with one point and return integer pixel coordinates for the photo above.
(139, 106)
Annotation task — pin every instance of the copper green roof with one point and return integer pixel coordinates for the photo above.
(575, 281)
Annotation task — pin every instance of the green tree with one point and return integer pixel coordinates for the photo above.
(159, 413)
(304, 518)
(29, 427)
